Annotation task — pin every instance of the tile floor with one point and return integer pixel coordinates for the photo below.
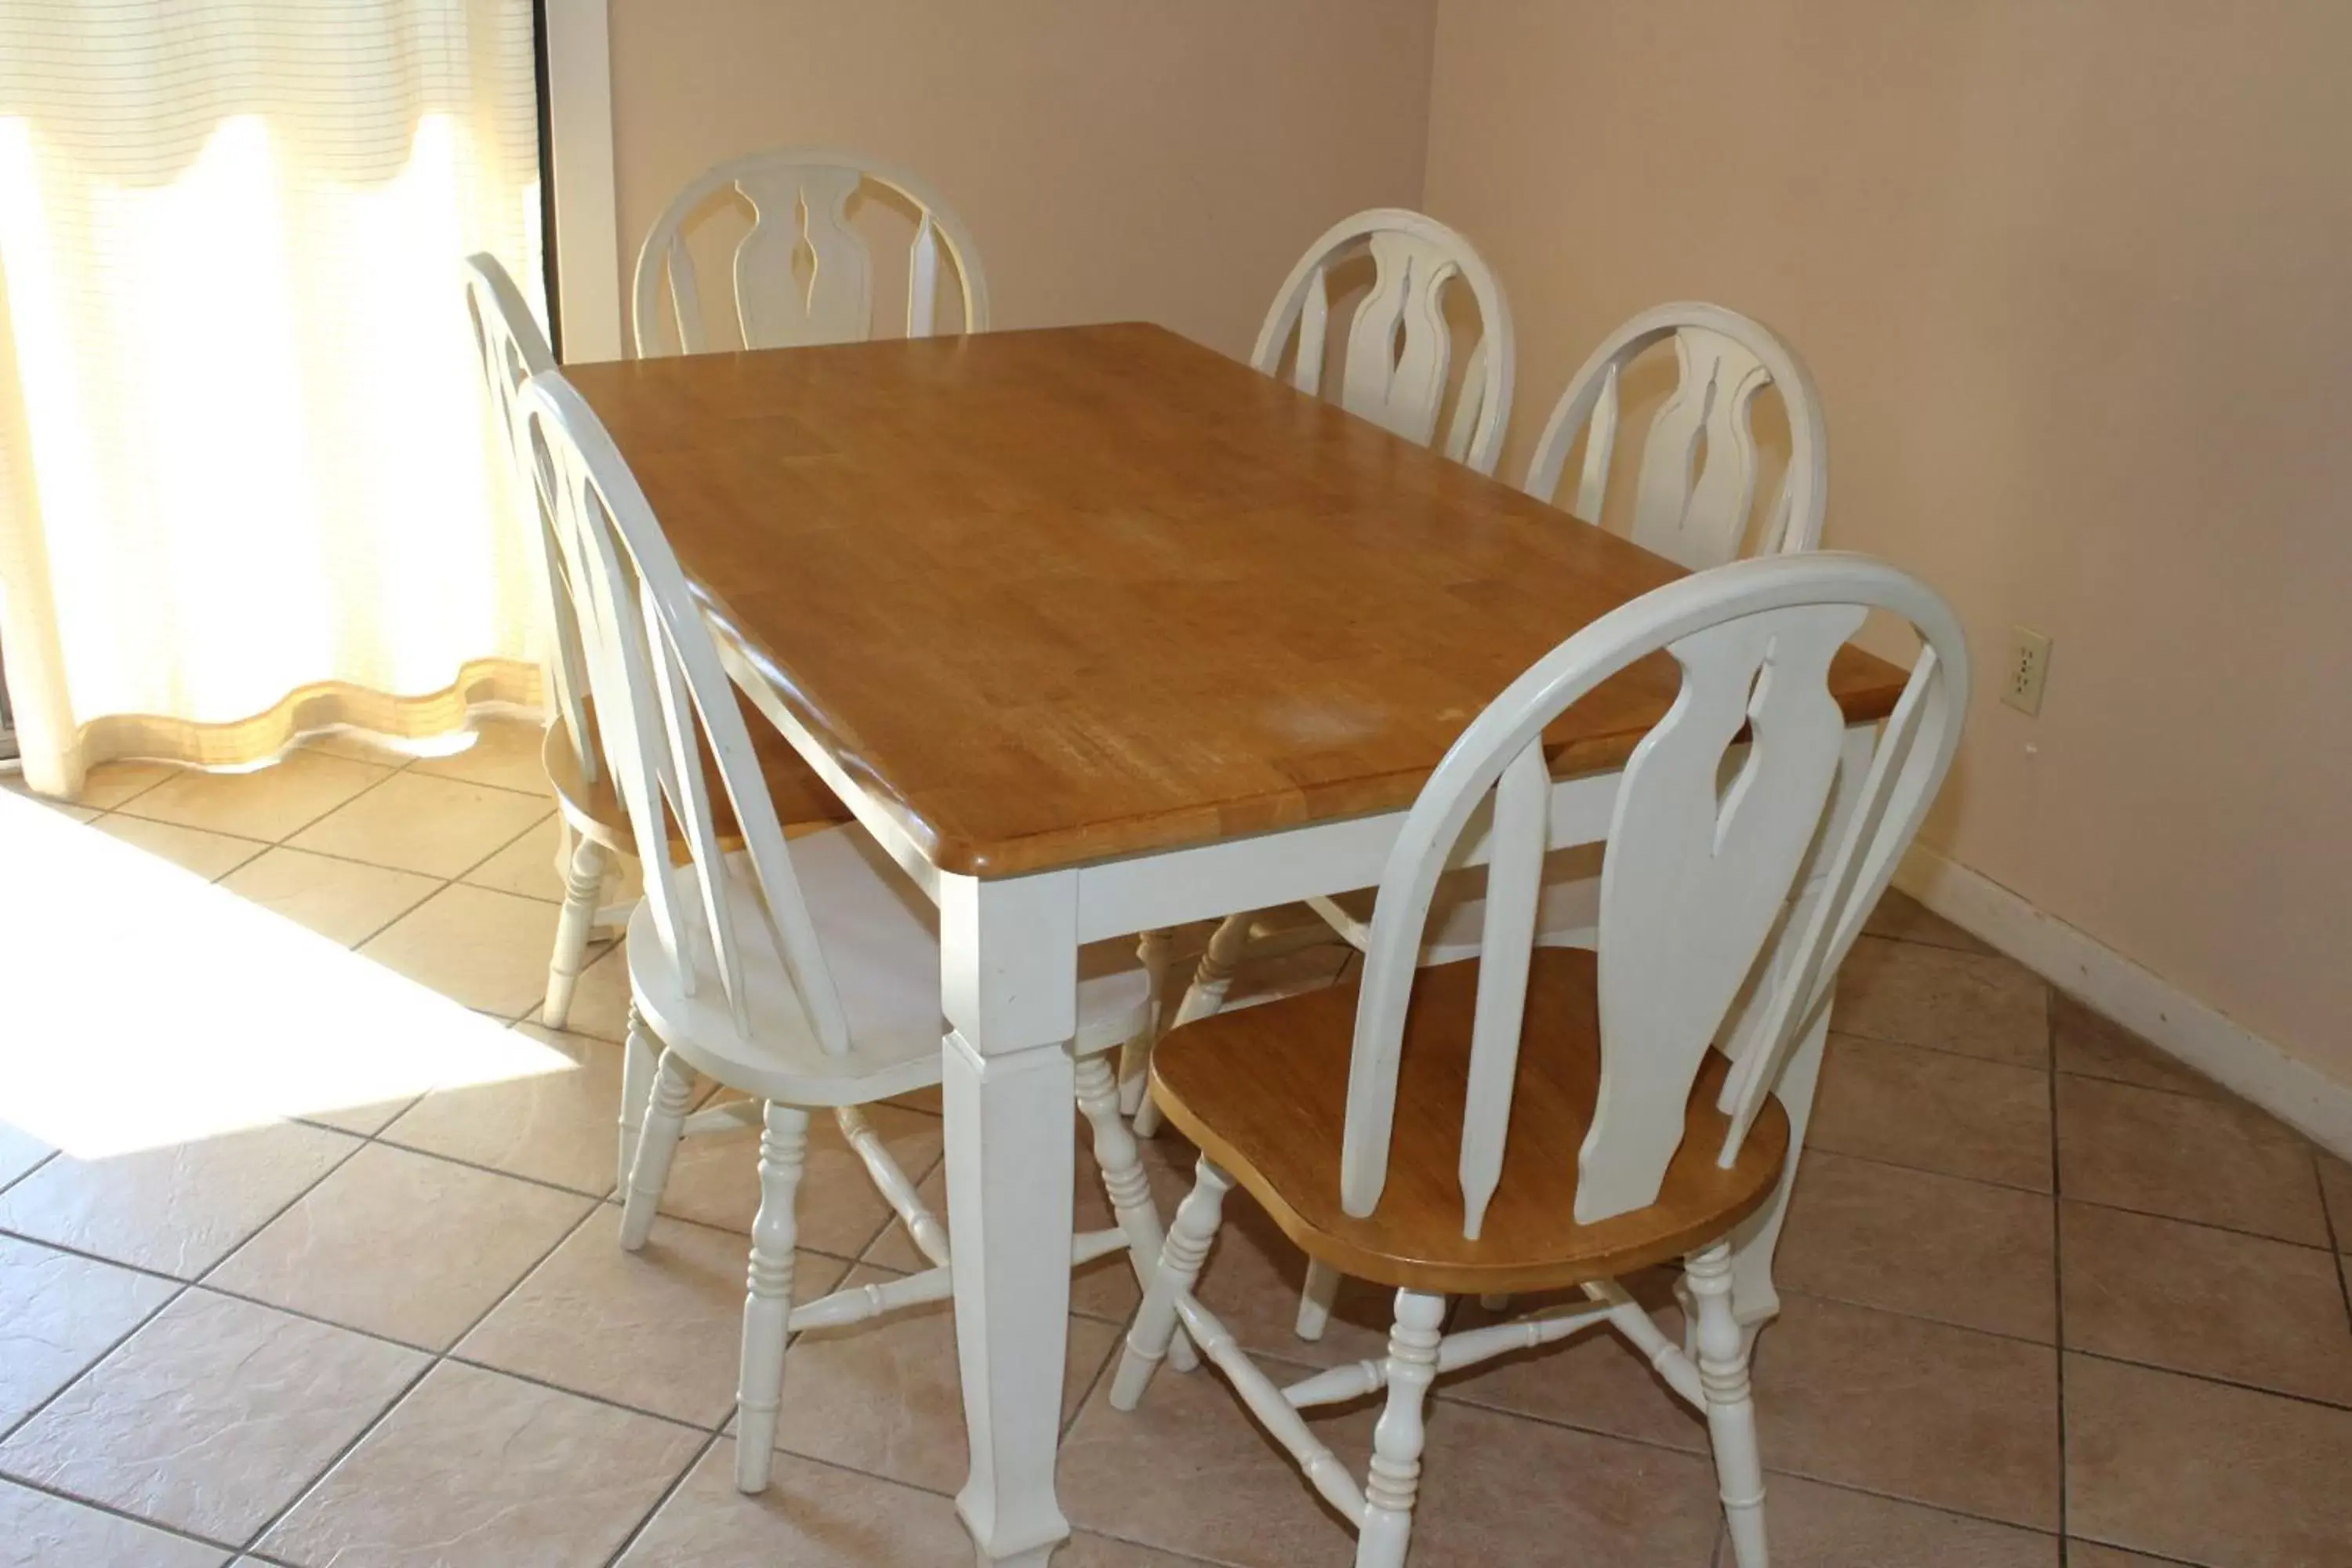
(2051, 1298)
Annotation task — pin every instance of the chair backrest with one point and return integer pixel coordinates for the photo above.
(662, 696)
(1696, 886)
(1400, 348)
(800, 202)
(1697, 483)
(513, 350)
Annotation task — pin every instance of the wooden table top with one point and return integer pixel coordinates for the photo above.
(1068, 594)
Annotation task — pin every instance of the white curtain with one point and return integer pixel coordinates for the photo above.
(246, 483)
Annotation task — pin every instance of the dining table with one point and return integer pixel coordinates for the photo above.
(1099, 632)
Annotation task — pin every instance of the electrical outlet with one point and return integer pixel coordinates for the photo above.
(2029, 666)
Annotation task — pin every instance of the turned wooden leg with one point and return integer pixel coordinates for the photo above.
(1153, 950)
(1180, 1266)
(1129, 1189)
(1398, 1440)
(665, 1124)
(584, 884)
(1205, 996)
(1722, 1347)
(1315, 1300)
(768, 1302)
(639, 1052)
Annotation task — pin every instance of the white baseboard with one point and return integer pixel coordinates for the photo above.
(2148, 1005)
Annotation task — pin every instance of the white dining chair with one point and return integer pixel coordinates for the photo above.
(1397, 363)
(1544, 1118)
(1396, 368)
(1695, 503)
(804, 974)
(802, 273)
(595, 831)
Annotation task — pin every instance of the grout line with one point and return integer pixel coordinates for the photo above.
(662, 1501)
(2336, 1241)
(95, 1506)
(27, 1172)
(10, 1429)
(2057, 1259)
(340, 1455)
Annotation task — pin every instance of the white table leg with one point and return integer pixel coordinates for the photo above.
(1009, 957)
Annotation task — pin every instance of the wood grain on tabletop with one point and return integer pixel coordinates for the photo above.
(1064, 594)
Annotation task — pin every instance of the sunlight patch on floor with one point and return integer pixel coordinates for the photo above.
(149, 1007)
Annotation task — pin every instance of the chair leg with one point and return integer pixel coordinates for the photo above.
(1315, 1300)
(1723, 1348)
(1205, 996)
(639, 1052)
(1180, 1266)
(665, 1124)
(1398, 1440)
(1153, 950)
(584, 885)
(1123, 1179)
(768, 1302)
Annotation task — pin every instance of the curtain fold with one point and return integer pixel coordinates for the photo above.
(248, 482)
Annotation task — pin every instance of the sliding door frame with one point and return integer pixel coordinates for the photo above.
(576, 48)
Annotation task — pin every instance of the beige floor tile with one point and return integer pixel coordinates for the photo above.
(1905, 919)
(402, 1245)
(1814, 1526)
(359, 1120)
(525, 868)
(19, 1152)
(109, 786)
(478, 948)
(659, 1330)
(1085, 1550)
(212, 1417)
(553, 1127)
(2197, 1300)
(1975, 1004)
(811, 1516)
(342, 900)
(2095, 1047)
(478, 1468)
(715, 1180)
(2210, 1160)
(194, 850)
(2204, 1472)
(504, 753)
(14, 784)
(269, 803)
(413, 822)
(58, 1314)
(2334, 1183)
(1933, 1110)
(884, 1397)
(1909, 1241)
(1593, 1381)
(1497, 1490)
(1188, 1471)
(38, 1530)
(1930, 1414)
(178, 1209)
(2084, 1554)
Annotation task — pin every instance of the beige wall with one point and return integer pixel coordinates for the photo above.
(1114, 159)
(2076, 278)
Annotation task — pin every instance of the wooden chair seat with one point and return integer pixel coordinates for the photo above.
(1264, 1092)
(594, 806)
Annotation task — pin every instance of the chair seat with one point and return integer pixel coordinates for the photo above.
(593, 805)
(1569, 916)
(1264, 1092)
(881, 939)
